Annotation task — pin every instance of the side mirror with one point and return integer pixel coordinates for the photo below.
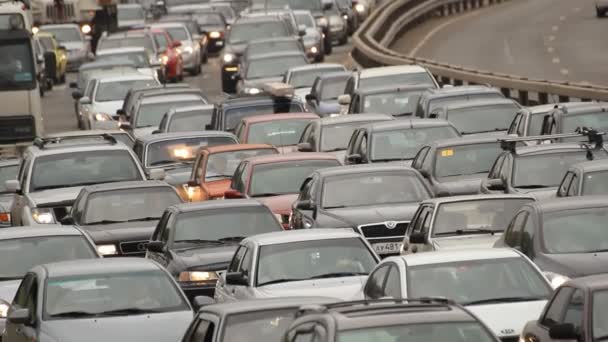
(200, 301)
(176, 44)
(67, 220)
(120, 112)
(155, 246)
(310, 97)
(73, 85)
(156, 131)
(76, 95)
(85, 100)
(563, 331)
(304, 205)
(157, 174)
(495, 184)
(433, 116)
(12, 185)
(125, 125)
(305, 147)
(418, 238)
(353, 158)
(233, 194)
(192, 184)
(19, 316)
(236, 278)
(344, 100)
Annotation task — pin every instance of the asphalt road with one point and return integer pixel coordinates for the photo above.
(58, 105)
(543, 39)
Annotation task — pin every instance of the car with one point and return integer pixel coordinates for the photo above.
(117, 134)
(196, 241)
(69, 36)
(199, 38)
(323, 97)
(263, 45)
(145, 61)
(543, 232)
(9, 167)
(214, 167)
(500, 286)
(537, 169)
(478, 117)
(169, 55)
(433, 98)
(601, 7)
(280, 130)
(301, 78)
(568, 118)
(130, 15)
(398, 101)
(231, 111)
(86, 70)
(318, 262)
(27, 247)
(104, 96)
(190, 47)
(275, 180)
(377, 201)
(55, 170)
(135, 94)
(424, 319)
(460, 222)
(456, 166)
(585, 179)
(255, 319)
(331, 134)
(266, 68)
(395, 141)
(338, 26)
(128, 39)
(349, 14)
(380, 76)
(185, 119)
(214, 26)
(575, 312)
(57, 69)
(529, 120)
(111, 297)
(313, 39)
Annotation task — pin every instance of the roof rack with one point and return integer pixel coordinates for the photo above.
(434, 301)
(42, 142)
(593, 136)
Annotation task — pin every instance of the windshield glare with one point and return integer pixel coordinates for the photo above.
(17, 70)
(436, 332)
(116, 91)
(419, 78)
(195, 120)
(391, 103)
(490, 214)
(165, 153)
(83, 168)
(546, 170)
(466, 160)
(28, 252)
(66, 34)
(268, 325)
(7, 173)
(404, 144)
(594, 183)
(305, 79)
(244, 32)
(591, 234)
(150, 291)
(273, 67)
(150, 114)
(598, 121)
(277, 133)
(470, 281)
(223, 164)
(284, 178)
(131, 13)
(139, 59)
(128, 204)
(373, 189)
(314, 259)
(482, 119)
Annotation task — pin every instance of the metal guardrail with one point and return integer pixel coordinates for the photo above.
(372, 41)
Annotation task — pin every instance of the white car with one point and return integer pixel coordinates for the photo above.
(139, 56)
(500, 286)
(312, 262)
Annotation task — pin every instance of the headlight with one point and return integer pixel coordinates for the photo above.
(360, 8)
(252, 91)
(322, 22)
(106, 249)
(5, 217)
(164, 60)
(214, 34)
(103, 117)
(314, 49)
(345, 17)
(228, 58)
(43, 216)
(197, 276)
(35, 30)
(86, 28)
(188, 49)
(4, 306)
(556, 279)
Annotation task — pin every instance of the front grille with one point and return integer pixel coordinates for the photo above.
(52, 12)
(384, 229)
(133, 247)
(14, 129)
(509, 339)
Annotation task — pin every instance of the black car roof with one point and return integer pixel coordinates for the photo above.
(99, 266)
(570, 203)
(253, 305)
(406, 124)
(361, 168)
(210, 205)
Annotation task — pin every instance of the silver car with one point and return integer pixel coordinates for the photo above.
(144, 60)
(8, 171)
(190, 48)
(76, 44)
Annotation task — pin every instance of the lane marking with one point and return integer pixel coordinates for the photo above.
(555, 60)
(577, 9)
(562, 18)
(508, 54)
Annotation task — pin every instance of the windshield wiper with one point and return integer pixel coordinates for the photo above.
(202, 241)
(151, 218)
(392, 159)
(532, 186)
(504, 300)
(335, 207)
(75, 314)
(231, 238)
(277, 281)
(3, 278)
(486, 131)
(336, 149)
(403, 114)
(161, 162)
(338, 275)
(218, 176)
(266, 194)
(128, 311)
(469, 231)
(104, 222)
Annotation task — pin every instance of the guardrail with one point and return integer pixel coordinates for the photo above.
(372, 41)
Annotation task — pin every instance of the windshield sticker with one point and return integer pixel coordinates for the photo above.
(447, 153)
(23, 77)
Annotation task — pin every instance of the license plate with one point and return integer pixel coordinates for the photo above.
(387, 247)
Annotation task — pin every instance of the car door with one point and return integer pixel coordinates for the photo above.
(226, 292)
(25, 298)
(566, 306)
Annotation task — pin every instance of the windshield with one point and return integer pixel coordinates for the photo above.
(17, 70)
(83, 168)
(144, 42)
(438, 102)
(284, 178)
(305, 19)
(167, 152)
(336, 137)
(589, 236)
(223, 164)
(277, 133)
(195, 120)
(65, 34)
(150, 114)
(273, 67)
(305, 79)
(377, 188)
(594, 183)
(116, 91)
(471, 281)
(219, 224)
(546, 170)
(264, 47)
(598, 121)
(482, 119)
(466, 160)
(233, 116)
(177, 33)
(131, 13)
(395, 103)
(6, 19)
(244, 32)
(27, 252)
(113, 294)
(314, 259)
(128, 204)
(7, 172)
(404, 144)
(139, 58)
(466, 217)
(418, 78)
(268, 325)
(436, 332)
(333, 88)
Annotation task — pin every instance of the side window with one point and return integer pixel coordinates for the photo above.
(160, 226)
(527, 237)
(392, 287)
(352, 142)
(555, 311)
(23, 172)
(204, 332)
(575, 310)
(514, 124)
(306, 133)
(238, 181)
(565, 185)
(165, 234)
(246, 264)
(573, 190)
(495, 170)
(505, 168)
(312, 139)
(78, 208)
(421, 221)
(20, 299)
(163, 123)
(350, 85)
(236, 260)
(375, 283)
(521, 127)
(417, 162)
(305, 192)
(239, 130)
(89, 90)
(514, 231)
(363, 148)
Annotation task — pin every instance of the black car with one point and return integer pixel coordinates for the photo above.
(120, 217)
(434, 98)
(195, 241)
(456, 166)
(424, 319)
(565, 237)
(377, 201)
(397, 140)
(396, 100)
(584, 179)
(266, 68)
(212, 24)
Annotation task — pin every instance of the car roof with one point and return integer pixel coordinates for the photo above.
(362, 168)
(257, 19)
(444, 256)
(551, 148)
(125, 185)
(466, 140)
(299, 235)
(273, 40)
(316, 66)
(167, 24)
(81, 146)
(354, 118)
(280, 158)
(52, 26)
(93, 132)
(150, 138)
(391, 89)
(592, 166)
(260, 99)
(388, 70)
(117, 77)
(407, 124)
(276, 54)
(122, 50)
(254, 305)
(99, 266)
(479, 103)
(171, 97)
(460, 90)
(38, 230)
(479, 197)
(583, 108)
(335, 74)
(592, 282)
(280, 116)
(237, 147)
(106, 65)
(184, 109)
(570, 203)
(211, 205)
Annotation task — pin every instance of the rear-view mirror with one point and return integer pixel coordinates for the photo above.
(73, 85)
(344, 100)
(304, 205)
(85, 100)
(124, 125)
(67, 220)
(353, 158)
(563, 331)
(310, 97)
(495, 184)
(76, 95)
(304, 147)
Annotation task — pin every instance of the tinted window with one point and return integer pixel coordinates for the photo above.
(223, 164)
(466, 159)
(436, 332)
(164, 153)
(332, 88)
(63, 34)
(116, 91)
(195, 120)
(277, 133)
(591, 234)
(404, 144)
(285, 177)
(177, 33)
(482, 119)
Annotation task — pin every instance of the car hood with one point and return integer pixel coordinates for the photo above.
(574, 264)
(107, 107)
(143, 131)
(125, 231)
(467, 241)
(356, 216)
(205, 255)
(279, 204)
(178, 176)
(65, 196)
(460, 185)
(8, 289)
(345, 288)
(508, 319)
(327, 107)
(161, 327)
(540, 194)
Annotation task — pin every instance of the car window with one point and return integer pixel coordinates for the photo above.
(555, 310)
(166, 233)
(527, 237)
(236, 260)
(21, 296)
(495, 172)
(419, 159)
(513, 237)
(514, 123)
(392, 287)
(245, 268)
(573, 190)
(565, 185)
(375, 283)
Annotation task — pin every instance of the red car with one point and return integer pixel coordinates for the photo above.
(169, 54)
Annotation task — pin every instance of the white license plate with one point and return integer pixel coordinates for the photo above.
(387, 247)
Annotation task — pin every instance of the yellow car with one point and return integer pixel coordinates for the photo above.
(57, 74)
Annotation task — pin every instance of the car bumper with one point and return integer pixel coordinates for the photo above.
(193, 290)
(215, 45)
